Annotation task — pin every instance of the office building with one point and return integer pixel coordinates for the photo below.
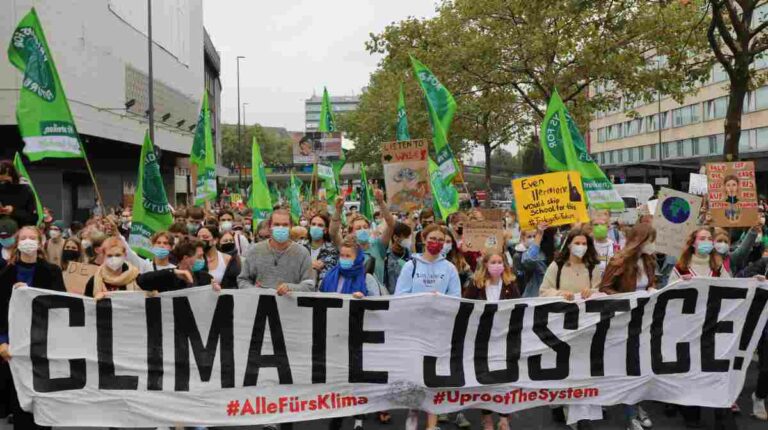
(312, 108)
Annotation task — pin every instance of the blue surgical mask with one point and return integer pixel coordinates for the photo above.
(281, 234)
(198, 265)
(363, 236)
(346, 263)
(8, 242)
(704, 247)
(316, 232)
(160, 252)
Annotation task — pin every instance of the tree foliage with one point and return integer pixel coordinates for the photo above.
(275, 145)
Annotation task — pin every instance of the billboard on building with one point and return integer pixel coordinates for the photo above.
(309, 148)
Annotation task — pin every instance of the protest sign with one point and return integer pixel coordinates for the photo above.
(554, 198)
(309, 148)
(248, 357)
(77, 275)
(676, 215)
(483, 236)
(406, 175)
(732, 194)
(697, 184)
(491, 214)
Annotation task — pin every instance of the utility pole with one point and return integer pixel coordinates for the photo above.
(150, 84)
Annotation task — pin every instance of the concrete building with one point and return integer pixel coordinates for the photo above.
(100, 50)
(312, 108)
(671, 140)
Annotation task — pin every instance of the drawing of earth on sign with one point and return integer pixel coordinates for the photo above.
(676, 210)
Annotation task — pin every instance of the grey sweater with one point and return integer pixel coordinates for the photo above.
(265, 268)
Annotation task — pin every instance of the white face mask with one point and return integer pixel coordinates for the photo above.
(86, 243)
(28, 246)
(578, 250)
(530, 242)
(649, 248)
(446, 249)
(405, 243)
(304, 223)
(115, 263)
(54, 234)
(722, 247)
(225, 226)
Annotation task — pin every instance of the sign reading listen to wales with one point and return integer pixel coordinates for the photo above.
(43, 114)
(732, 194)
(197, 357)
(554, 198)
(406, 174)
(676, 215)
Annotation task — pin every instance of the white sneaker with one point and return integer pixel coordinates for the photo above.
(643, 418)
(634, 425)
(758, 408)
(412, 422)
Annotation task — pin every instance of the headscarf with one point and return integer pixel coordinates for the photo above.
(354, 277)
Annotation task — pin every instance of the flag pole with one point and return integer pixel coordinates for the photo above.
(314, 177)
(93, 178)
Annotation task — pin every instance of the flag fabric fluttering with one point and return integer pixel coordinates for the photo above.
(444, 195)
(294, 198)
(42, 113)
(366, 195)
(328, 125)
(151, 211)
(203, 156)
(564, 149)
(18, 164)
(441, 106)
(259, 199)
(402, 118)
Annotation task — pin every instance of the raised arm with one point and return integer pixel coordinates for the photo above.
(387, 215)
(335, 228)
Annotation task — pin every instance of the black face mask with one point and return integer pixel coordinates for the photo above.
(207, 246)
(227, 248)
(460, 230)
(69, 255)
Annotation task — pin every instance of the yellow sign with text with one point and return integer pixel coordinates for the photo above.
(554, 198)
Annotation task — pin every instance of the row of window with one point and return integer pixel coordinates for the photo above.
(751, 141)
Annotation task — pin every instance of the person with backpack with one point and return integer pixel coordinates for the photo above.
(539, 253)
(398, 253)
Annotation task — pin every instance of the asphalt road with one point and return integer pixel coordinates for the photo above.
(541, 418)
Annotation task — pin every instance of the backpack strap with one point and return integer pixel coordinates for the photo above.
(559, 271)
(413, 273)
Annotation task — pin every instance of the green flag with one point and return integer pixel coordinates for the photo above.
(151, 212)
(203, 156)
(366, 195)
(43, 114)
(294, 199)
(441, 106)
(22, 171)
(259, 199)
(445, 196)
(274, 195)
(327, 123)
(402, 118)
(564, 149)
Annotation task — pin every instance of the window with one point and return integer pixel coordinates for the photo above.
(652, 123)
(685, 115)
(761, 98)
(718, 74)
(610, 157)
(665, 120)
(715, 108)
(631, 155)
(761, 138)
(621, 156)
(695, 146)
(653, 153)
(601, 134)
(633, 127)
(641, 153)
(716, 144)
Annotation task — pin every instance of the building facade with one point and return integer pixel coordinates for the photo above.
(100, 50)
(313, 104)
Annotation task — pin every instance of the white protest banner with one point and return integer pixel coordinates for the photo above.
(676, 215)
(697, 184)
(248, 357)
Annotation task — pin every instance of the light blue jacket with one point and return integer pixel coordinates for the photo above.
(535, 265)
(438, 276)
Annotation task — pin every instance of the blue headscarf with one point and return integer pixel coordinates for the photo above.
(354, 277)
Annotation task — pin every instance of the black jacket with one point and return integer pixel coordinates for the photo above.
(23, 201)
(231, 272)
(165, 280)
(759, 267)
(47, 276)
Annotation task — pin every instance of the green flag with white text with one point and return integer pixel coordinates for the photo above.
(259, 199)
(24, 178)
(42, 113)
(445, 196)
(366, 195)
(327, 123)
(294, 199)
(203, 156)
(402, 118)
(564, 149)
(151, 212)
(441, 106)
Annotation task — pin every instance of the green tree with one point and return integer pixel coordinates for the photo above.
(275, 146)
(737, 35)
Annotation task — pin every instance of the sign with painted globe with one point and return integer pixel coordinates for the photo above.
(676, 216)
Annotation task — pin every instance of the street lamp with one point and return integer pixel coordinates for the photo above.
(239, 136)
(240, 172)
(245, 123)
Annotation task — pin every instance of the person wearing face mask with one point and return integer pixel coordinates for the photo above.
(241, 238)
(493, 281)
(92, 240)
(539, 253)
(699, 258)
(603, 245)
(360, 228)
(300, 235)
(227, 244)
(397, 255)
(453, 254)
(55, 243)
(162, 243)
(72, 252)
(426, 217)
(574, 271)
(349, 277)
(7, 240)
(26, 268)
(16, 199)
(226, 221)
(323, 253)
(189, 273)
(115, 274)
(125, 223)
(278, 263)
(222, 267)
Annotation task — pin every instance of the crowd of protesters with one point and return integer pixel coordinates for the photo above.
(391, 254)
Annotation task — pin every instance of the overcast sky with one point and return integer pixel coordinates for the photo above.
(295, 47)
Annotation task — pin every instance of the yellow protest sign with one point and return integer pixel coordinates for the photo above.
(554, 198)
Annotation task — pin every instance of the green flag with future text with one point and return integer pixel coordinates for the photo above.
(203, 156)
(42, 113)
(445, 196)
(402, 118)
(151, 212)
(259, 200)
(25, 178)
(564, 149)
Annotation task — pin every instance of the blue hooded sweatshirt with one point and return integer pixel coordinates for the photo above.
(438, 276)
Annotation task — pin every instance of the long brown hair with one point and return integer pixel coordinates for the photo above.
(14, 251)
(481, 276)
(590, 258)
(684, 263)
(454, 255)
(638, 236)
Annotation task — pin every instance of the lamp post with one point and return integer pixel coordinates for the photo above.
(239, 136)
(150, 84)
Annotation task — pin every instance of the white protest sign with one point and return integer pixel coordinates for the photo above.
(697, 184)
(248, 357)
(676, 215)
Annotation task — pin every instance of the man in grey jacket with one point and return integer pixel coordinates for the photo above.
(278, 263)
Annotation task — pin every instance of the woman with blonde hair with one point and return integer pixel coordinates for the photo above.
(115, 274)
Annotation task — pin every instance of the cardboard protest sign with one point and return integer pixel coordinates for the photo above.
(77, 275)
(406, 175)
(675, 217)
(554, 198)
(697, 184)
(491, 214)
(483, 236)
(732, 194)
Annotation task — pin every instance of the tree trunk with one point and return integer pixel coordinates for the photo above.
(732, 127)
(487, 148)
